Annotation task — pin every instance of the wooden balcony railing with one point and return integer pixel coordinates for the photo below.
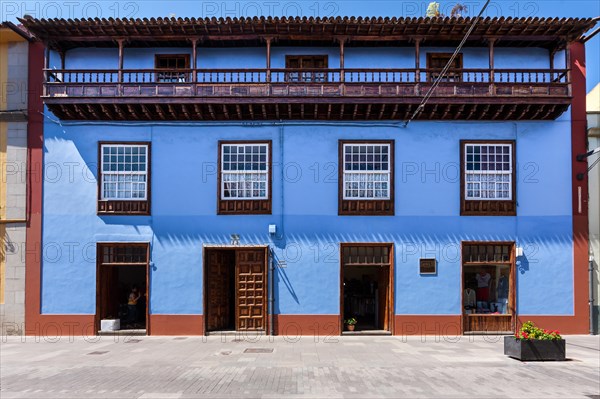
(222, 94)
(302, 76)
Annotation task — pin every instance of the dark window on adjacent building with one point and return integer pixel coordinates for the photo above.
(170, 63)
(299, 62)
(366, 177)
(488, 178)
(244, 177)
(437, 61)
(124, 178)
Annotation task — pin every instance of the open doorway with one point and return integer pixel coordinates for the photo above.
(235, 281)
(367, 293)
(121, 286)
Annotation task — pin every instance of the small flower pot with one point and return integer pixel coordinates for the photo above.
(535, 350)
(350, 327)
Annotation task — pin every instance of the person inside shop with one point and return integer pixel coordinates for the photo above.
(483, 290)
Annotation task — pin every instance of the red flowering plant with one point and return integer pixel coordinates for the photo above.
(530, 331)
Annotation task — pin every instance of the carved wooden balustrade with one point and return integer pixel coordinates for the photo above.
(223, 94)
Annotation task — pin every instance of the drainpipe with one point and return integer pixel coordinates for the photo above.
(591, 299)
(272, 267)
(271, 293)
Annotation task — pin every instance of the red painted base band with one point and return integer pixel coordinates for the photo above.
(296, 325)
(70, 325)
(49, 326)
(442, 325)
(172, 324)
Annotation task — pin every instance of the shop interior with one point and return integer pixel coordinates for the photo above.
(486, 289)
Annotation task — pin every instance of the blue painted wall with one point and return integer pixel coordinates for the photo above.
(427, 221)
(355, 57)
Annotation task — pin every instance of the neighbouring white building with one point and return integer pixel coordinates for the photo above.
(13, 166)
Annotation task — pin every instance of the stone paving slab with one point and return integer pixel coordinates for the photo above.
(307, 367)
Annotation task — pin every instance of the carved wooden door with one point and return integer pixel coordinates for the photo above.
(251, 289)
(219, 270)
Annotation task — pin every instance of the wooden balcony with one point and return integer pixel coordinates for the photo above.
(307, 94)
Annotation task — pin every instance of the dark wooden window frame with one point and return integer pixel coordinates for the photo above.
(158, 57)
(432, 76)
(488, 207)
(127, 206)
(289, 58)
(365, 207)
(245, 206)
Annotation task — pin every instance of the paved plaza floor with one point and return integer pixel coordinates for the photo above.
(272, 367)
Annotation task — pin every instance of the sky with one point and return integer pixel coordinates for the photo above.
(10, 10)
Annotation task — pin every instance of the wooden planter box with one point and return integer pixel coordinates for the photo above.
(534, 350)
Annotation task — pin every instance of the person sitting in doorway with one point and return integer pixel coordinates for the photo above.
(132, 301)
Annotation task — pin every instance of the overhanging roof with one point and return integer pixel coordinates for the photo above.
(221, 32)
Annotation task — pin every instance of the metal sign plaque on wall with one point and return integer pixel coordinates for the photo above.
(427, 266)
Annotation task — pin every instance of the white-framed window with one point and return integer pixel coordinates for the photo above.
(488, 171)
(366, 171)
(124, 171)
(245, 171)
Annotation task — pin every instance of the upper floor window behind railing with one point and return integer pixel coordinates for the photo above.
(306, 62)
(437, 61)
(169, 64)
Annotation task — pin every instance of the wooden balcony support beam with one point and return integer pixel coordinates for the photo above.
(381, 112)
(119, 112)
(132, 111)
(264, 111)
(146, 112)
(185, 112)
(198, 112)
(226, 111)
(159, 111)
(211, 111)
(395, 111)
(306, 111)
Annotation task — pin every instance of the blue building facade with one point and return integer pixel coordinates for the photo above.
(461, 221)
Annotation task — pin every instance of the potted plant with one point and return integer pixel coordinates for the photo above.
(350, 323)
(531, 343)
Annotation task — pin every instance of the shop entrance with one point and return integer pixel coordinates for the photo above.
(366, 291)
(235, 281)
(121, 285)
(488, 288)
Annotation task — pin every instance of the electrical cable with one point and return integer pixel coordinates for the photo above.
(446, 67)
(593, 164)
